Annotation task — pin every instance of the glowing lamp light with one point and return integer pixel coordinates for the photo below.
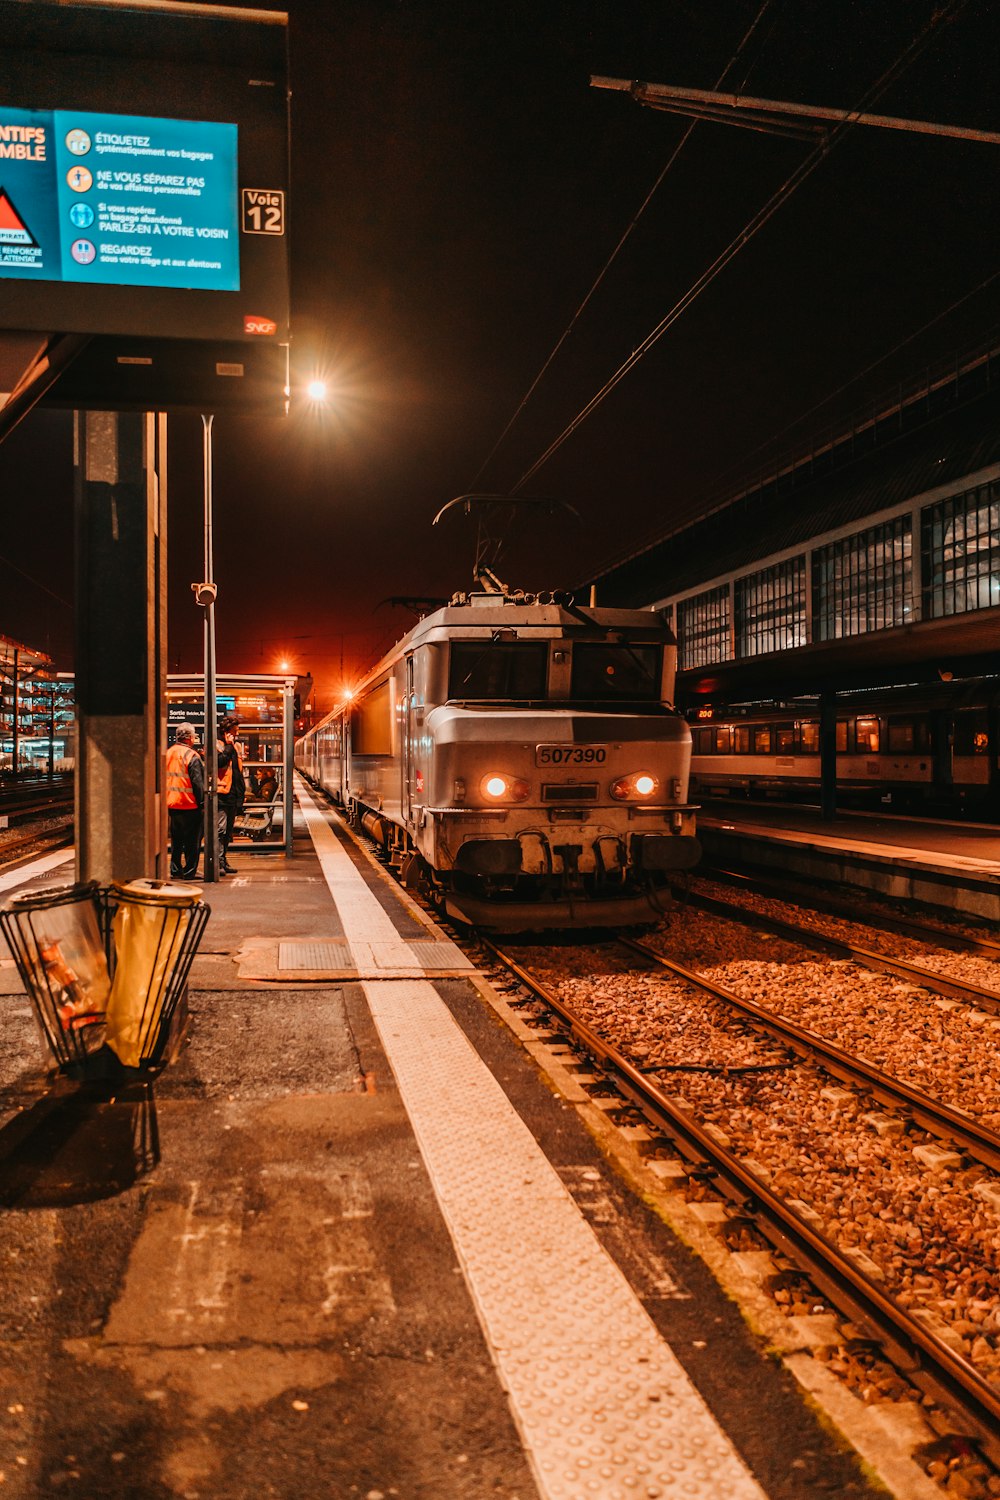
(635, 788)
(504, 788)
(283, 666)
(316, 390)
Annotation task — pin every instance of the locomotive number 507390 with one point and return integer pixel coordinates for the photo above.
(570, 755)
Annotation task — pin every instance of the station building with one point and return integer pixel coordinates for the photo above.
(872, 559)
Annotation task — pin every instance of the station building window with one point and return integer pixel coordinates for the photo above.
(703, 628)
(771, 609)
(960, 541)
(863, 582)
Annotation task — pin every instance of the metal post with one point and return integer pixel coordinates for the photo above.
(52, 731)
(17, 709)
(828, 755)
(211, 702)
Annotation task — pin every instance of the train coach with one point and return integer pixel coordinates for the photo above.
(933, 746)
(520, 757)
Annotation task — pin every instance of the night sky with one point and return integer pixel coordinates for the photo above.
(457, 188)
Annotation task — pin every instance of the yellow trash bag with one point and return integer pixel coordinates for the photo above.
(149, 929)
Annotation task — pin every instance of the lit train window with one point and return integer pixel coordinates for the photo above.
(762, 739)
(784, 739)
(723, 740)
(841, 736)
(866, 736)
(980, 742)
(809, 737)
(741, 739)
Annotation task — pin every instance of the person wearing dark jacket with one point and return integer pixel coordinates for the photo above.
(185, 800)
(232, 788)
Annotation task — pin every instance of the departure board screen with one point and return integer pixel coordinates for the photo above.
(125, 200)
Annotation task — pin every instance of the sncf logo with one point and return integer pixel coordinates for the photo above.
(252, 323)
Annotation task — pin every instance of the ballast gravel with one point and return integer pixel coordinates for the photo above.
(926, 1219)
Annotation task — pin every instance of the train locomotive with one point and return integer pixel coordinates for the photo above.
(520, 758)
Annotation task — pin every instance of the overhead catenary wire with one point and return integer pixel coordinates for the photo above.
(633, 222)
(754, 225)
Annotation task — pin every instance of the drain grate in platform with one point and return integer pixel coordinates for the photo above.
(315, 956)
(439, 956)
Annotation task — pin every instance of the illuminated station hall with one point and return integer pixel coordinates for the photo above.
(545, 1048)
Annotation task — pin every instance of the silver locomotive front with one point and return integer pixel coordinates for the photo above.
(545, 769)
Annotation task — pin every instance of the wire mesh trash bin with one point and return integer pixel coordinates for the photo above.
(57, 940)
(157, 927)
(105, 967)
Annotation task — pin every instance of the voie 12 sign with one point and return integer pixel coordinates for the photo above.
(123, 199)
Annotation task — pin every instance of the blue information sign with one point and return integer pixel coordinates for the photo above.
(123, 199)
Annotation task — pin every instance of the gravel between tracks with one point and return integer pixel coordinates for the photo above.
(934, 1235)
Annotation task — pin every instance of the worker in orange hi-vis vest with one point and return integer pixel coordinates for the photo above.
(185, 800)
(232, 787)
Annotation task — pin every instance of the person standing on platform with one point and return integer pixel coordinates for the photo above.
(185, 800)
(232, 788)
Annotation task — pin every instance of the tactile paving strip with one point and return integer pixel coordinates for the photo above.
(604, 1407)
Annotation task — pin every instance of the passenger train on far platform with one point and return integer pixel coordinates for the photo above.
(933, 747)
(521, 759)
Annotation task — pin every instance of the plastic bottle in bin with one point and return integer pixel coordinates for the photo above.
(76, 1003)
(72, 968)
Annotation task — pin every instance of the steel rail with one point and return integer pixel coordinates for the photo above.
(960, 942)
(940, 1119)
(54, 837)
(928, 979)
(926, 1360)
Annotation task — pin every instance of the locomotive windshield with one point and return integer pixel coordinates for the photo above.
(606, 671)
(498, 669)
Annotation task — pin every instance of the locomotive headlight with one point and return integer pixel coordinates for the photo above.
(638, 787)
(498, 788)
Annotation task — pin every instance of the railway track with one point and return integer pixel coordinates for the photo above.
(873, 915)
(33, 803)
(13, 850)
(891, 1341)
(924, 1354)
(811, 938)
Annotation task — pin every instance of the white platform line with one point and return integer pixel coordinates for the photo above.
(29, 872)
(366, 923)
(604, 1407)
